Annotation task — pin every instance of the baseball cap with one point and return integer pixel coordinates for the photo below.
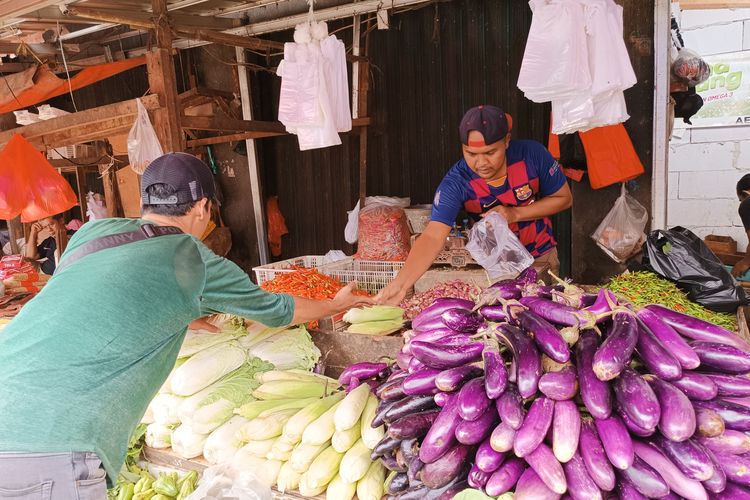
(492, 122)
(189, 176)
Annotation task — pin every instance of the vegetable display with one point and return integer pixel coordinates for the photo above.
(551, 391)
(455, 289)
(374, 320)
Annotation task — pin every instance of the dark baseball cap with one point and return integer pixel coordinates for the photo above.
(490, 121)
(189, 176)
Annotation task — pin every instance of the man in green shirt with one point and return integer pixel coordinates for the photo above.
(82, 360)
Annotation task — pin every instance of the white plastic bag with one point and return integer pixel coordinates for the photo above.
(143, 145)
(621, 234)
(497, 249)
(224, 482)
(351, 232)
(95, 207)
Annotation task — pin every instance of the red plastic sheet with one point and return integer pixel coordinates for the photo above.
(29, 185)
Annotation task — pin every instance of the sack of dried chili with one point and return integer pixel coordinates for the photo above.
(383, 233)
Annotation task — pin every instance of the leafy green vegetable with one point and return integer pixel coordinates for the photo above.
(232, 328)
(291, 348)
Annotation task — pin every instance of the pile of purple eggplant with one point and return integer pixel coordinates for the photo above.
(550, 392)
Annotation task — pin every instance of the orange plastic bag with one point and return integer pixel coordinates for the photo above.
(276, 225)
(29, 185)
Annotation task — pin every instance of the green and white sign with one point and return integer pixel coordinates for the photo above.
(726, 94)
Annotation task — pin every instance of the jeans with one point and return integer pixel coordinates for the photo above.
(52, 476)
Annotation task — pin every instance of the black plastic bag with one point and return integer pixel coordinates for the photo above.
(680, 256)
(572, 154)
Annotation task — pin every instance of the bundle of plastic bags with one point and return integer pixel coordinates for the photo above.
(576, 59)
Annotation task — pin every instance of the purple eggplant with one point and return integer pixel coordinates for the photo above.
(472, 399)
(566, 430)
(709, 423)
(502, 438)
(603, 302)
(677, 421)
(362, 371)
(443, 357)
(559, 314)
(736, 467)
(696, 386)
(415, 365)
(397, 484)
(535, 427)
(580, 484)
(442, 398)
(637, 399)
(478, 478)
(495, 374)
(528, 276)
(632, 426)
(453, 378)
(617, 349)
(616, 441)
(437, 336)
(391, 388)
(442, 471)
(626, 490)
(526, 356)
(448, 492)
(474, 432)
(689, 456)
(413, 470)
(442, 435)
(421, 383)
(734, 492)
(436, 309)
(403, 359)
(594, 457)
(697, 329)
(730, 385)
(655, 355)
(488, 459)
(675, 479)
(646, 480)
(495, 313)
(735, 416)
(560, 385)
(722, 357)
(718, 481)
(462, 319)
(409, 449)
(505, 289)
(546, 336)
(594, 392)
(730, 442)
(505, 478)
(510, 408)
(549, 469)
(412, 425)
(408, 406)
(671, 340)
(531, 487)
(380, 411)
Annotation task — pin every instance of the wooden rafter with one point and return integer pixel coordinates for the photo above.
(713, 4)
(146, 19)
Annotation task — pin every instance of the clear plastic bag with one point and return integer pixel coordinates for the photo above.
(226, 482)
(690, 68)
(351, 232)
(143, 144)
(95, 207)
(497, 249)
(383, 233)
(621, 234)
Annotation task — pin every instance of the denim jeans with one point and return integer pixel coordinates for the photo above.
(52, 476)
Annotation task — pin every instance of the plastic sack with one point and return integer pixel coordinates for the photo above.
(95, 207)
(690, 68)
(620, 235)
(143, 144)
(351, 232)
(680, 256)
(224, 482)
(497, 249)
(383, 233)
(276, 225)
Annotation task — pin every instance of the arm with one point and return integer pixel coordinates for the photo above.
(309, 310)
(31, 252)
(424, 252)
(743, 265)
(545, 207)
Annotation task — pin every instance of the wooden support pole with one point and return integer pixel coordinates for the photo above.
(363, 92)
(162, 81)
(82, 188)
(15, 231)
(110, 191)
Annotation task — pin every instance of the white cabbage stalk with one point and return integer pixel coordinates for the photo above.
(206, 367)
(159, 436)
(148, 417)
(165, 408)
(222, 444)
(292, 348)
(186, 443)
(232, 327)
(214, 405)
(166, 387)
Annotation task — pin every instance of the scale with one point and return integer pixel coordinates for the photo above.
(454, 252)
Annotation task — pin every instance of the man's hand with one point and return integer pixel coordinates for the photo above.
(204, 324)
(740, 268)
(345, 299)
(391, 295)
(509, 213)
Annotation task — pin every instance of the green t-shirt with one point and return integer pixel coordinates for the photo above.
(82, 360)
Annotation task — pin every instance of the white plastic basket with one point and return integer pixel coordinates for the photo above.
(370, 275)
(269, 271)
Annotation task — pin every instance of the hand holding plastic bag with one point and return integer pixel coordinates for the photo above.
(143, 144)
(497, 249)
(224, 482)
(621, 234)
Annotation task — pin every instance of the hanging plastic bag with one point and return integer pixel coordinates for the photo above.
(383, 233)
(95, 207)
(143, 144)
(351, 232)
(497, 249)
(680, 256)
(226, 482)
(690, 68)
(621, 234)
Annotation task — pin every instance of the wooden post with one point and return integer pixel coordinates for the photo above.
(364, 87)
(110, 192)
(82, 188)
(162, 81)
(15, 231)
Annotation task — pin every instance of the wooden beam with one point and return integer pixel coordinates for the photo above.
(146, 19)
(245, 42)
(713, 4)
(92, 162)
(17, 8)
(82, 188)
(362, 99)
(79, 127)
(225, 124)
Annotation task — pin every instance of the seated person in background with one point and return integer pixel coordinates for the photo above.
(47, 241)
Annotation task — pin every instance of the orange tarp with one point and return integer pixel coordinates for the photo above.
(47, 85)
